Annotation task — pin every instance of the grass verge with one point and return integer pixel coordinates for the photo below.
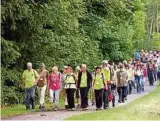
(144, 108)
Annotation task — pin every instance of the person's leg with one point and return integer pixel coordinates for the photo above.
(96, 97)
(65, 102)
(68, 98)
(130, 86)
(82, 93)
(72, 105)
(27, 99)
(57, 98)
(101, 97)
(51, 92)
(86, 97)
(123, 93)
(42, 95)
(113, 100)
(32, 94)
(105, 98)
(119, 94)
(137, 84)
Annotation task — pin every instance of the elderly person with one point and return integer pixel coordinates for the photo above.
(29, 80)
(54, 85)
(84, 83)
(70, 87)
(107, 73)
(42, 84)
(78, 99)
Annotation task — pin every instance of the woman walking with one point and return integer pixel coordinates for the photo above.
(70, 87)
(98, 86)
(54, 84)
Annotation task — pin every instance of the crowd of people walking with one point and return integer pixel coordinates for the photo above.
(102, 84)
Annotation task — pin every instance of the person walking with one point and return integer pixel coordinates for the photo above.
(29, 82)
(138, 78)
(42, 84)
(84, 83)
(150, 74)
(98, 86)
(113, 82)
(54, 85)
(78, 97)
(122, 78)
(130, 72)
(106, 72)
(70, 87)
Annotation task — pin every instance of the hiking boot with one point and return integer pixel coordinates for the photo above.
(113, 105)
(73, 109)
(119, 101)
(69, 109)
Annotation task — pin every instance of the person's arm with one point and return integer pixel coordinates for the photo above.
(37, 77)
(48, 82)
(23, 79)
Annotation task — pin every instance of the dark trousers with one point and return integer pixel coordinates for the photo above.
(99, 97)
(121, 93)
(84, 97)
(70, 98)
(129, 86)
(105, 98)
(30, 97)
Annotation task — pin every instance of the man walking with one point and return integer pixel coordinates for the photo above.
(84, 83)
(121, 83)
(29, 80)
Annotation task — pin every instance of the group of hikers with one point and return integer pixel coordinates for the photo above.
(104, 82)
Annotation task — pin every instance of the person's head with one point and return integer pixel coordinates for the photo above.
(98, 69)
(115, 67)
(127, 66)
(121, 67)
(105, 63)
(83, 67)
(78, 69)
(29, 65)
(55, 69)
(42, 66)
(65, 69)
(138, 66)
(69, 69)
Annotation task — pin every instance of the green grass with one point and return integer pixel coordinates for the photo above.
(144, 108)
(20, 109)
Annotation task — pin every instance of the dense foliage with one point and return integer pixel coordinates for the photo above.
(60, 32)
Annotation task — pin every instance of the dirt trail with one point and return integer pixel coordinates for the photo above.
(63, 114)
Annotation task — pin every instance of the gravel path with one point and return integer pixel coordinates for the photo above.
(63, 114)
